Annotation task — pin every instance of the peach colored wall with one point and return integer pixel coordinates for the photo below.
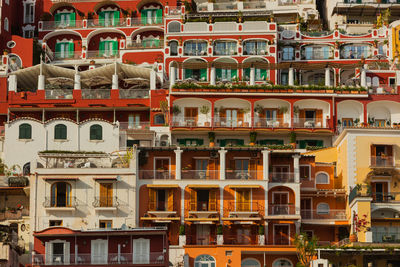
(330, 171)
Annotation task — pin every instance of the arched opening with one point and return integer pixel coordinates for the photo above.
(195, 70)
(250, 262)
(25, 131)
(282, 263)
(60, 132)
(322, 178)
(26, 169)
(96, 132)
(226, 69)
(61, 195)
(174, 26)
(261, 69)
(204, 261)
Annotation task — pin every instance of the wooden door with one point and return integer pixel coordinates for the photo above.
(191, 115)
(281, 235)
(106, 194)
(152, 199)
(302, 117)
(318, 115)
(212, 202)
(379, 191)
(193, 200)
(243, 200)
(305, 206)
(170, 199)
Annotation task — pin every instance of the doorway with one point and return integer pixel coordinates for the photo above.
(281, 234)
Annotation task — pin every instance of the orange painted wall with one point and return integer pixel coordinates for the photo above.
(258, 197)
(330, 171)
(187, 199)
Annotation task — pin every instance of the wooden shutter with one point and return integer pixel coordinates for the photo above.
(181, 142)
(212, 202)
(143, 16)
(170, 199)
(103, 195)
(263, 74)
(71, 49)
(116, 18)
(246, 200)
(200, 142)
(302, 116)
(114, 48)
(66, 253)
(193, 200)
(159, 16)
(280, 117)
(72, 19)
(373, 150)
(101, 18)
(58, 47)
(319, 116)
(152, 199)
(234, 74)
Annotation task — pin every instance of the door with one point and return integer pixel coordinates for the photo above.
(141, 251)
(243, 236)
(280, 174)
(243, 200)
(162, 168)
(203, 197)
(203, 234)
(281, 234)
(280, 201)
(306, 210)
(191, 116)
(380, 191)
(161, 203)
(346, 122)
(106, 194)
(134, 121)
(212, 202)
(242, 169)
(99, 251)
(231, 117)
(202, 168)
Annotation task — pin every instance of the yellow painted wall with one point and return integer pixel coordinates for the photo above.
(396, 41)
(341, 165)
(326, 155)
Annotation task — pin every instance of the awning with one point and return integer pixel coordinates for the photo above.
(60, 178)
(245, 186)
(162, 186)
(104, 3)
(203, 186)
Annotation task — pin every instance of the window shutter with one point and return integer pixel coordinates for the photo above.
(263, 74)
(188, 73)
(141, 251)
(240, 142)
(144, 16)
(152, 199)
(203, 74)
(159, 16)
(101, 48)
(218, 73)
(114, 47)
(66, 253)
(234, 74)
(303, 144)
(72, 19)
(193, 200)
(48, 248)
(181, 142)
(319, 116)
(246, 200)
(71, 49)
(247, 74)
(302, 114)
(200, 142)
(58, 47)
(212, 203)
(156, 42)
(57, 19)
(101, 18)
(116, 18)
(320, 143)
(170, 199)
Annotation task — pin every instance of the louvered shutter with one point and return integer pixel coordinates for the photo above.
(263, 74)
(101, 48)
(152, 199)
(188, 73)
(319, 116)
(71, 49)
(193, 200)
(57, 19)
(247, 74)
(144, 16)
(212, 202)
(159, 16)
(170, 199)
(72, 19)
(203, 74)
(116, 18)
(58, 48)
(234, 74)
(102, 18)
(48, 250)
(114, 48)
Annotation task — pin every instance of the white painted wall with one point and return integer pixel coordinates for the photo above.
(315, 104)
(194, 103)
(384, 110)
(350, 109)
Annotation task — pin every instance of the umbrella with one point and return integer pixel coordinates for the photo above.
(61, 81)
(137, 81)
(96, 80)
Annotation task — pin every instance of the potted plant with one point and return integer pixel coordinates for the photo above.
(182, 235)
(220, 235)
(176, 110)
(261, 235)
(211, 138)
(259, 110)
(253, 138)
(205, 110)
(283, 109)
(293, 139)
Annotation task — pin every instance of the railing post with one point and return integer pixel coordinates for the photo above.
(265, 154)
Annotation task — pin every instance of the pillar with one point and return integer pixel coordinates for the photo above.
(153, 81)
(212, 76)
(265, 154)
(291, 76)
(252, 76)
(297, 224)
(222, 161)
(296, 168)
(182, 205)
(172, 76)
(178, 163)
(114, 85)
(41, 82)
(363, 78)
(327, 77)
(77, 82)
(12, 83)
(221, 200)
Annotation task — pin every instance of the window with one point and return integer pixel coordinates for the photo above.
(250, 263)
(64, 50)
(204, 261)
(173, 45)
(65, 19)
(141, 251)
(28, 33)
(195, 48)
(6, 26)
(226, 74)
(99, 251)
(61, 195)
(25, 131)
(174, 27)
(134, 121)
(53, 223)
(96, 132)
(108, 48)
(151, 16)
(106, 195)
(29, 10)
(322, 208)
(259, 74)
(317, 52)
(305, 172)
(196, 74)
(322, 178)
(282, 263)
(60, 132)
(105, 224)
(159, 119)
(224, 48)
(288, 53)
(57, 252)
(255, 48)
(356, 51)
(109, 18)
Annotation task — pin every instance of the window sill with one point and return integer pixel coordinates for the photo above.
(25, 140)
(96, 141)
(61, 140)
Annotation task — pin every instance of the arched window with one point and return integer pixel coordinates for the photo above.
(96, 132)
(60, 132)
(250, 263)
(159, 119)
(323, 208)
(25, 131)
(287, 53)
(61, 195)
(174, 27)
(282, 263)
(204, 261)
(173, 46)
(26, 169)
(322, 178)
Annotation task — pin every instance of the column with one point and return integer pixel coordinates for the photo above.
(363, 78)
(327, 77)
(183, 205)
(265, 154)
(252, 75)
(172, 76)
(291, 76)
(297, 224)
(114, 85)
(296, 186)
(153, 80)
(12, 83)
(178, 163)
(212, 76)
(222, 161)
(41, 82)
(221, 201)
(296, 168)
(77, 81)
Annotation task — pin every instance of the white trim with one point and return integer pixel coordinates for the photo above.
(280, 192)
(322, 211)
(64, 41)
(109, 9)
(26, 3)
(322, 173)
(108, 39)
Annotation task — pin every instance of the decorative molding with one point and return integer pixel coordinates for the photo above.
(109, 9)
(65, 40)
(108, 39)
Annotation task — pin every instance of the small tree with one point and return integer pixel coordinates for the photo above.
(306, 248)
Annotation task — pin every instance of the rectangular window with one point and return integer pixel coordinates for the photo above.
(305, 172)
(105, 224)
(29, 13)
(141, 251)
(106, 195)
(134, 121)
(53, 223)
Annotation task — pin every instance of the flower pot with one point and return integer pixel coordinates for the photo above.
(293, 145)
(212, 144)
(252, 143)
(207, 124)
(354, 92)
(353, 238)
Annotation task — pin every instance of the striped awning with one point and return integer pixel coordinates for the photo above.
(203, 186)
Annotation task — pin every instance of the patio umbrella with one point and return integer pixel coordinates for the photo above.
(60, 81)
(96, 80)
(137, 81)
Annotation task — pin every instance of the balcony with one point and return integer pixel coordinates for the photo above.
(146, 45)
(201, 240)
(157, 174)
(244, 175)
(65, 160)
(281, 177)
(328, 216)
(105, 203)
(60, 204)
(134, 126)
(308, 123)
(152, 258)
(74, 55)
(393, 197)
(200, 174)
(382, 162)
(281, 209)
(96, 93)
(189, 122)
(241, 239)
(270, 123)
(59, 94)
(95, 54)
(388, 234)
(306, 183)
(239, 211)
(231, 123)
(133, 93)
(203, 211)
(13, 214)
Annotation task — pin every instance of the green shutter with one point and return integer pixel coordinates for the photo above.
(71, 49)
(200, 142)
(101, 47)
(101, 18)
(218, 73)
(303, 144)
(320, 143)
(114, 47)
(144, 16)
(156, 42)
(116, 18)
(96, 132)
(234, 74)
(188, 73)
(222, 142)
(58, 47)
(263, 74)
(203, 74)
(159, 16)
(60, 132)
(181, 142)
(247, 74)
(57, 19)
(72, 18)
(25, 131)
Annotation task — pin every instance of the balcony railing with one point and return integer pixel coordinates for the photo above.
(105, 202)
(110, 54)
(231, 123)
(308, 123)
(244, 175)
(202, 206)
(389, 236)
(152, 258)
(281, 240)
(250, 206)
(270, 123)
(382, 161)
(67, 55)
(323, 215)
(240, 239)
(201, 240)
(307, 183)
(59, 94)
(96, 93)
(200, 174)
(157, 174)
(53, 25)
(146, 45)
(99, 23)
(13, 214)
(385, 197)
(134, 126)
(60, 202)
(133, 93)
(190, 122)
(281, 177)
(281, 209)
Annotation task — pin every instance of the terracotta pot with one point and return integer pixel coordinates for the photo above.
(293, 145)
(252, 144)
(212, 144)
(353, 238)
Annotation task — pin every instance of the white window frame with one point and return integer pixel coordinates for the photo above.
(105, 259)
(283, 224)
(323, 211)
(316, 176)
(49, 252)
(143, 258)
(27, 3)
(6, 24)
(28, 28)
